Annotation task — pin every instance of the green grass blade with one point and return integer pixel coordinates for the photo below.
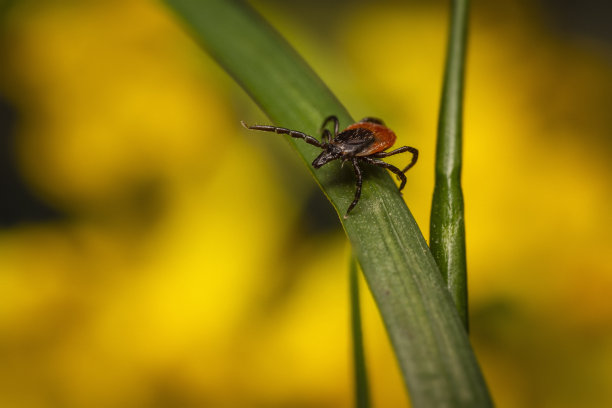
(431, 345)
(362, 392)
(447, 227)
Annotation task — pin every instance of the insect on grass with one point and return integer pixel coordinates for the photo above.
(361, 142)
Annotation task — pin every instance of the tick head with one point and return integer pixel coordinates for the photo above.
(327, 155)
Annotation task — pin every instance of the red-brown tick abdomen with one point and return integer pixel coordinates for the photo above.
(384, 137)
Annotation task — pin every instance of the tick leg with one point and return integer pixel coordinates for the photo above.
(283, 131)
(326, 136)
(400, 174)
(372, 120)
(358, 184)
(334, 119)
(415, 155)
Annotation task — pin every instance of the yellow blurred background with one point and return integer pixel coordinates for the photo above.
(155, 254)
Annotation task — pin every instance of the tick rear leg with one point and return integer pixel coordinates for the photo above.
(370, 119)
(358, 183)
(400, 175)
(415, 155)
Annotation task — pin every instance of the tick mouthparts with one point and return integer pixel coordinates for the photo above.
(323, 158)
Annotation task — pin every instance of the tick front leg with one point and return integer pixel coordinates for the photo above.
(326, 136)
(415, 155)
(400, 174)
(284, 131)
(334, 119)
(358, 183)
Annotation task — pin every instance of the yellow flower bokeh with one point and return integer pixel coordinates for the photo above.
(179, 271)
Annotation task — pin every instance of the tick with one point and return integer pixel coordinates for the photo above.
(361, 142)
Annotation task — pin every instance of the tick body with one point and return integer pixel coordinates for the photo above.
(364, 141)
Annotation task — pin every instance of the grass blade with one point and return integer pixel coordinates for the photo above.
(362, 392)
(431, 345)
(447, 227)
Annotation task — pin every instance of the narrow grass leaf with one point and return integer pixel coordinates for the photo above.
(447, 226)
(362, 391)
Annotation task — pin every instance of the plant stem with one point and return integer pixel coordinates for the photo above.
(362, 393)
(447, 228)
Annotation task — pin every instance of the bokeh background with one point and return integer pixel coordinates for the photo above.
(155, 254)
